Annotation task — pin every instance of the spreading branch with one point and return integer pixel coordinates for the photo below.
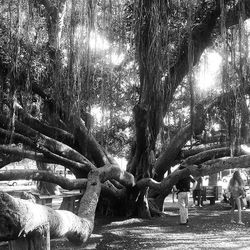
(207, 168)
(106, 173)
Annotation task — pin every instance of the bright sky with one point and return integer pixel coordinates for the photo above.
(100, 43)
(210, 66)
(116, 58)
(96, 111)
(209, 70)
(97, 42)
(245, 148)
(247, 25)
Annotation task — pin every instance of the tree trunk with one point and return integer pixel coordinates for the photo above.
(168, 157)
(140, 163)
(164, 187)
(37, 240)
(20, 217)
(88, 145)
(45, 188)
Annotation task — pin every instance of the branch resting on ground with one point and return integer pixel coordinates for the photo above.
(20, 217)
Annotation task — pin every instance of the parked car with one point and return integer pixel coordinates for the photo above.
(70, 175)
(20, 182)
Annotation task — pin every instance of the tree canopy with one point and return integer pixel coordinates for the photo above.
(85, 81)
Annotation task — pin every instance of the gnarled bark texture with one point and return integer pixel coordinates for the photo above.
(20, 217)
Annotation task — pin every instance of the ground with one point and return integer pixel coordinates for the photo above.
(209, 228)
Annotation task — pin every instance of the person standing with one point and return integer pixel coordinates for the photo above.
(174, 191)
(236, 190)
(183, 189)
(197, 193)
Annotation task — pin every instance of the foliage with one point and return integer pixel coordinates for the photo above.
(76, 71)
(66, 47)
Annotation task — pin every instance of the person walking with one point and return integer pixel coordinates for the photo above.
(236, 190)
(183, 189)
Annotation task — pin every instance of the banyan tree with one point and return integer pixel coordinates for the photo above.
(135, 63)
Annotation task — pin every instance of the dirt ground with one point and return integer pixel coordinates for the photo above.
(209, 228)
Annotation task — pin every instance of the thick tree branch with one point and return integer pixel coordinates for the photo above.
(207, 168)
(207, 155)
(45, 143)
(107, 189)
(109, 172)
(88, 144)
(44, 155)
(80, 169)
(52, 132)
(169, 156)
(43, 175)
(6, 136)
(165, 161)
(105, 173)
(217, 165)
(185, 153)
(21, 153)
(7, 159)
(20, 217)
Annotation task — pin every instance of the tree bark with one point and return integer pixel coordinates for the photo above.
(45, 188)
(44, 143)
(45, 155)
(88, 145)
(168, 157)
(135, 166)
(207, 155)
(37, 240)
(106, 173)
(52, 132)
(20, 217)
(201, 38)
(164, 187)
(140, 165)
(185, 153)
(7, 159)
